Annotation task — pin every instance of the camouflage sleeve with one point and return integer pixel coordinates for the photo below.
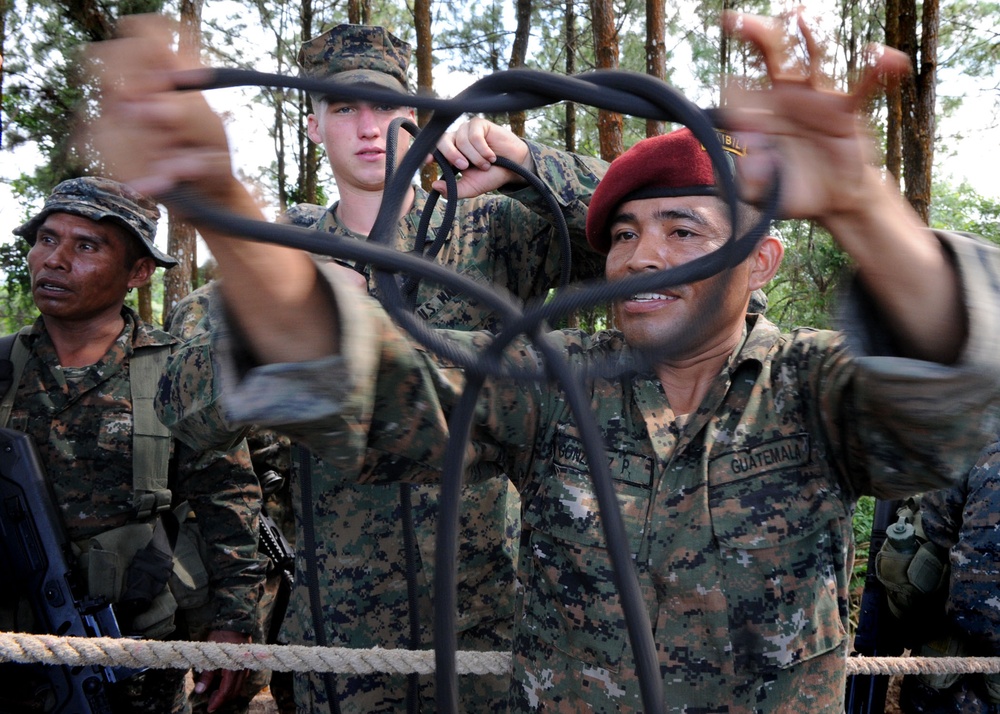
(917, 426)
(972, 600)
(393, 425)
(189, 317)
(941, 510)
(571, 178)
(223, 491)
(526, 227)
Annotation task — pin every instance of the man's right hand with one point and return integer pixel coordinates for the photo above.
(473, 148)
(147, 134)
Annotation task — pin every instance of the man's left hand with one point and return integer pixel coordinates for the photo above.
(228, 683)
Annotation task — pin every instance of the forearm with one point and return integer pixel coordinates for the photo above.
(273, 294)
(908, 272)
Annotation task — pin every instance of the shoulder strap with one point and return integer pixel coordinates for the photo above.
(13, 351)
(150, 438)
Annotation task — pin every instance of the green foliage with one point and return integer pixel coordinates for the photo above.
(477, 41)
(802, 292)
(962, 208)
(968, 37)
(15, 294)
(864, 516)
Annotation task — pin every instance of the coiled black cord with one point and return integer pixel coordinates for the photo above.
(514, 90)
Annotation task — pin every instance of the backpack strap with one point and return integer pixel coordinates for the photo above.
(15, 354)
(150, 438)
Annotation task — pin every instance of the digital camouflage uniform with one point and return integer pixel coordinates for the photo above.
(505, 240)
(496, 239)
(739, 515)
(81, 422)
(964, 522)
(269, 451)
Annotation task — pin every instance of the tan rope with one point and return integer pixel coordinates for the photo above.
(923, 665)
(124, 652)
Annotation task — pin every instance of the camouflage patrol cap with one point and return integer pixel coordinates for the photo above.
(101, 199)
(357, 54)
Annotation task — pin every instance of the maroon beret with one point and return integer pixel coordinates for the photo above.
(674, 164)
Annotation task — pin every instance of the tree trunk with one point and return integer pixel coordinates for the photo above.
(656, 54)
(92, 18)
(725, 65)
(569, 132)
(5, 6)
(359, 12)
(893, 100)
(609, 124)
(281, 179)
(180, 234)
(918, 100)
(425, 73)
(308, 151)
(518, 55)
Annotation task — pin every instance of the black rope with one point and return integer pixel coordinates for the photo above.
(514, 90)
(312, 568)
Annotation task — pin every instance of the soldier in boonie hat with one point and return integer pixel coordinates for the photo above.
(101, 199)
(357, 54)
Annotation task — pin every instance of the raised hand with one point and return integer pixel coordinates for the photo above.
(473, 148)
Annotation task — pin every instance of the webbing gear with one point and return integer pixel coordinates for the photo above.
(512, 90)
(147, 573)
(14, 355)
(150, 438)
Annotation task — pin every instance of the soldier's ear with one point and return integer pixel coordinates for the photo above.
(765, 261)
(141, 272)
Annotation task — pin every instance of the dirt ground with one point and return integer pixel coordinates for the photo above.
(263, 704)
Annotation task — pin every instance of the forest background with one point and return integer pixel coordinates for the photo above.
(938, 130)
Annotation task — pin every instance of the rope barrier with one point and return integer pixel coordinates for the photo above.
(178, 654)
(123, 652)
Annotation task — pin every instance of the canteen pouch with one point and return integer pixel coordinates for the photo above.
(948, 647)
(106, 560)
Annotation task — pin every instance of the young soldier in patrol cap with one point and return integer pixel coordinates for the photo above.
(506, 238)
(86, 374)
(739, 454)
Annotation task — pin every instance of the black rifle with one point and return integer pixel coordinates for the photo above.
(34, 557)
(274, 545)
(879, 633)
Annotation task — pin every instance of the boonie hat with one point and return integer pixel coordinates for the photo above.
(101, 199)
(674, 164)
(357, 54)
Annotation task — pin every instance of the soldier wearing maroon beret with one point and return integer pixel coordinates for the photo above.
(737, 454)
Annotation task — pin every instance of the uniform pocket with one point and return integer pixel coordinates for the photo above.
(571, 602)
(776, 520)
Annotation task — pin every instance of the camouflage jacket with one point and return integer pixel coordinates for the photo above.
(83, 431)
(495, 240)
(965, 520)
(738, 516)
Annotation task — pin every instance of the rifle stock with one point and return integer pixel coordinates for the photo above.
(36, 557)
